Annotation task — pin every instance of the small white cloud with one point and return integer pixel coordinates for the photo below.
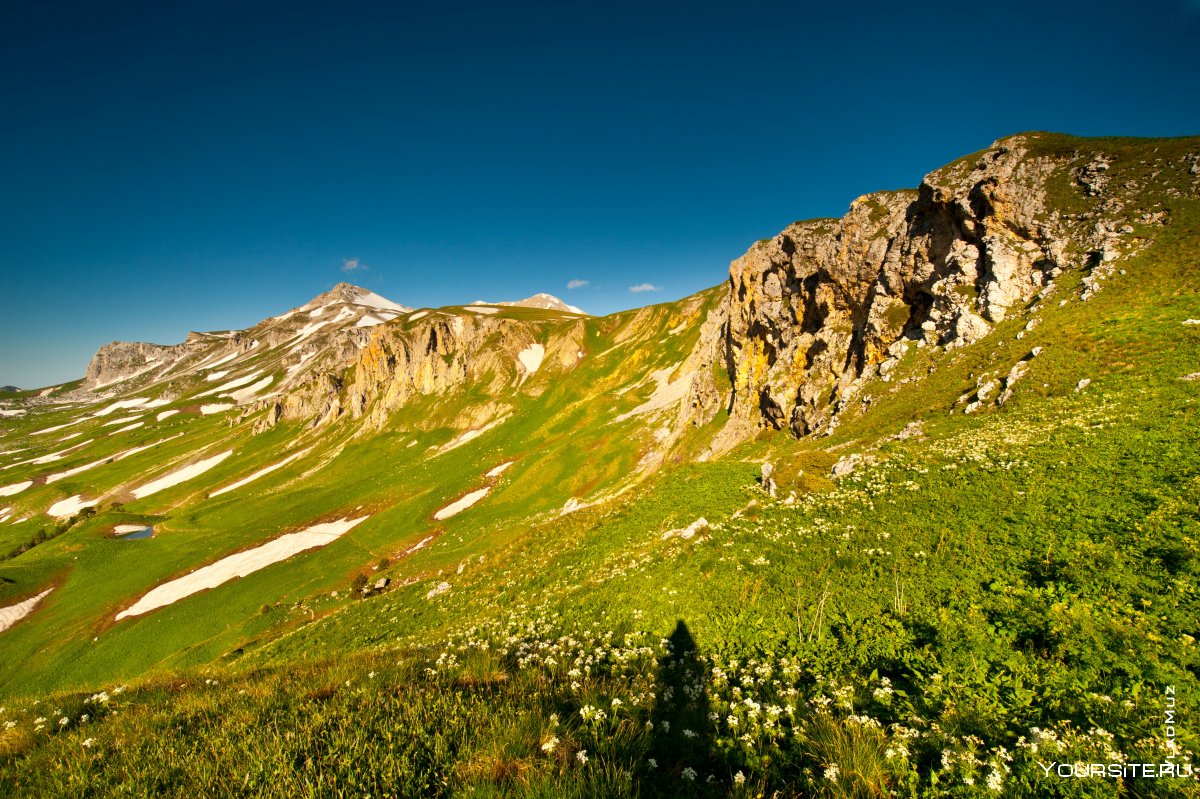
(640, 287)
(354, 265)
(577, 283)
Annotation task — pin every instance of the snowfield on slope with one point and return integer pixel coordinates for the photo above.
(240, 565)
(258, 474)
(531, 357)
(241, 396)
(499, 470)
(14, 613)
(460, 505)
(110, 459)
(180, 475)
(232, 384)
(70, 506)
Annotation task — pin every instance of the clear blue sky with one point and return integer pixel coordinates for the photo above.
(167, 166)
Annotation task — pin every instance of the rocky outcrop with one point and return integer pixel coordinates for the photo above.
(122, 360)
(441, 354)
(826, 304)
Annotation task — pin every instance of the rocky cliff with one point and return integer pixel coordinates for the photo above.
(828, 304)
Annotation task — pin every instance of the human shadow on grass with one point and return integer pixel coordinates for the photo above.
(681, 754)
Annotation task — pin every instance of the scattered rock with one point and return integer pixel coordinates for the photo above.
(689, 531)
(768, 479)
(440, 589)
(850, 463)
(1082, 384)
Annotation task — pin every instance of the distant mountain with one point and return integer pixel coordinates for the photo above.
(9, 389)
(322, 333)
(546, 301)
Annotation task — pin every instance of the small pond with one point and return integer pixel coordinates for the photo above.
(131, 532)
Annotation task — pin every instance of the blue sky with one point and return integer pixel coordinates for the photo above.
(202, 165)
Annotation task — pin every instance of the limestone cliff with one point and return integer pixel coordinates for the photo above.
(439, 354)
(827, 304)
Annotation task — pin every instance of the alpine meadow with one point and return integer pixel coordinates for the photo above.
(908, 506)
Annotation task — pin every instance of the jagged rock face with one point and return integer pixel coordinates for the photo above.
(440, 354)
(827, 302)
(121, 360)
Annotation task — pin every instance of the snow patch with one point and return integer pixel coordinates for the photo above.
(216, 375)
(14, 613)
(458, 506)
(486, 309)
(179, 476)
(218, 362)
(216, 407)
(127, 428)
(7, 414)
(57, 427)
(373, 300)
(419, 545)
(531, 357)
(70, 506)
(241, 564)
(469, 435)
(305, 332)
(418, 315)
(243, 395)
(54, 478)
(125, 529)
(164, 415)
(116, 406)
(499, 470)
(232, 384)
(368, 321)
(258, 474)
(15, 488)
(125, 420)
(53, 456)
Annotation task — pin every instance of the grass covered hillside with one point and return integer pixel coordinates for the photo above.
(567, 580)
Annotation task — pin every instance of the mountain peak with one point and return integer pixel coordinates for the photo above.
(356, 295)
(545, 301)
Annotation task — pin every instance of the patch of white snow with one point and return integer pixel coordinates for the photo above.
(180, 475)
(14, 613)
(459, 505)
(241, 564)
